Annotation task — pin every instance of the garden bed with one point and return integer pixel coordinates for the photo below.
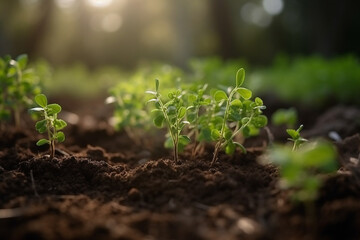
(102, 186)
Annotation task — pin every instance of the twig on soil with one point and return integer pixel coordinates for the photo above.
(33, 183)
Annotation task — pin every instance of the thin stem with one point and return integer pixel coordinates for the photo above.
(196, 132)
(220, 141)
(169, 127)
(175, 142)
(242, 126)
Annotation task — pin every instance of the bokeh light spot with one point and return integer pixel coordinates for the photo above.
(273, 7)
(255, 14)
(100, 3)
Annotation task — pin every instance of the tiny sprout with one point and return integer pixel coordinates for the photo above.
(295, 137)
(50, 123)
(300, 170)
(172, 114)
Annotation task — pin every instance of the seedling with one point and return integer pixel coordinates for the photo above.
(18, 85)
(197, 100)
(235, 114)
(299, 170)
(172, 114)
(50, 123)
(295, 137)
(129, 114)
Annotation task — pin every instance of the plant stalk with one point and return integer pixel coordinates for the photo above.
(174, 139)
(220, 142)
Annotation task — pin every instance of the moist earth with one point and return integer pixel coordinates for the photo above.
(101, 185)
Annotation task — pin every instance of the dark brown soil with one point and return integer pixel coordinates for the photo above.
(102, 186)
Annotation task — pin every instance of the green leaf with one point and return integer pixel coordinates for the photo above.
(41, 100)
(156, 111)
(192, 98)
(181, 112)
(59, 124)
(242, 148)
(259, 121)
(60, 136)
(22, 61)
(42, 142)
(215, 134)
(40, 124)
(230, 148)
(246, 131)
(259, 101)
(245, 93)
(184, 140)
(191, 117)
(205, 102)
(205, 135)
(240, 77)
(236, 103)
(220, 95)
(158, 121)
(228, 134)
(293, 133)
(53, 108)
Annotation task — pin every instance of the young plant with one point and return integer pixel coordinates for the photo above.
(18, 85)
(172, 114)
(295, 137)
(50, 124)
(235, 113)
(129, 113)
(198, 122)
(299, 170)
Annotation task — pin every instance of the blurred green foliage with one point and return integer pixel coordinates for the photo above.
(287, 117)
(18, 85)
(300, 171)
(311, 81)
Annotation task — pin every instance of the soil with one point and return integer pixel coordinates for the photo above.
(101, 185)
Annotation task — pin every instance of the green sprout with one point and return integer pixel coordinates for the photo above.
(18, 85)
(299, 170)
(198, 103)
(235, 113)
(295, 137)
(129, 113)
(172, 114)
(50, 123)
